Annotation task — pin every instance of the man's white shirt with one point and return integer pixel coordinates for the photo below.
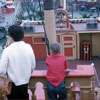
(18, 61)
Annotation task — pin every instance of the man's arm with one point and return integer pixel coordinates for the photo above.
(33, 62)
(4, 62)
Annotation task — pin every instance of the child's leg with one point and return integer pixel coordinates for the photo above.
(52, 95)
(61, 91)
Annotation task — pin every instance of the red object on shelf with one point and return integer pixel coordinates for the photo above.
(7, 10)
(9, 2)
(86, 51)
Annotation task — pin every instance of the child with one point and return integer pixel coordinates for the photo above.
(57, 65)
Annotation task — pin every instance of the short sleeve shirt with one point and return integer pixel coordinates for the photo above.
(57, 64)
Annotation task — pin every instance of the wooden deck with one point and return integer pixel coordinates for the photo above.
(72, 65)
(39, 92)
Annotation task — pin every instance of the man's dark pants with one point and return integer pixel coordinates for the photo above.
(19, 92)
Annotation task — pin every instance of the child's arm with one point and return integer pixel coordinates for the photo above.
(66, 65)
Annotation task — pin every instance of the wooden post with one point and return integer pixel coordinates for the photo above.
(49, 15)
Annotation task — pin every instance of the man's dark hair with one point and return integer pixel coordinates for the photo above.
(16, 32)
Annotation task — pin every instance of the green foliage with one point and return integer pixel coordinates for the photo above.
(30, 11)
(84, 15)
(3, 41)
(56, 4)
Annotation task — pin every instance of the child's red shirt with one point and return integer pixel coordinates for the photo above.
(57, 64)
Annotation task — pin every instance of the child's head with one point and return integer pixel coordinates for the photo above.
(55, 47)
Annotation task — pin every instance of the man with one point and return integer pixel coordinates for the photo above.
(18, 62)
(56, 73)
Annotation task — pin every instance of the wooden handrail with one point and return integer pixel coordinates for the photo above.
(81, 75)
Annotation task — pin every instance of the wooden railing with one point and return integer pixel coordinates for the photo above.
(83, 75)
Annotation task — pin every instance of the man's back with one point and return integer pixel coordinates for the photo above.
(21, 62)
